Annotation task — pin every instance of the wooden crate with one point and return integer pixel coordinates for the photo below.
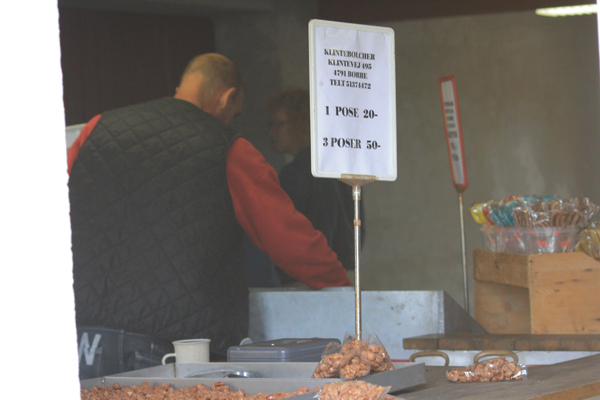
(555, 293)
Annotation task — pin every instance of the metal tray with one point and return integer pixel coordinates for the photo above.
(255, 377)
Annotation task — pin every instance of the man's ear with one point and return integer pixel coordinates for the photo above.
(227, 97)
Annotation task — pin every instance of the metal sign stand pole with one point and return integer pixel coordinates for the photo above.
(464, 248)
(356, 183)
(357, 300)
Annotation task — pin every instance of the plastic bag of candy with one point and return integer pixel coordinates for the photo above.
(589, 241)
(354, 358)
(535, 211)
(492, 370)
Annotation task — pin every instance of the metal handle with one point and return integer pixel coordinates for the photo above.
(487, 353)
(430, 353)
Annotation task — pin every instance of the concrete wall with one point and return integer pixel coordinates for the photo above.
(271, 50)
(528, 93)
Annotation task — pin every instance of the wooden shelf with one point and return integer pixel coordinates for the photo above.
(555, 293)
(512, 342)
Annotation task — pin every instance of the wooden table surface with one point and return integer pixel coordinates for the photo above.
(572, 380)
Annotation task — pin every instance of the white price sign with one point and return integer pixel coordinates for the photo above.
(454, 139)
(353, 100)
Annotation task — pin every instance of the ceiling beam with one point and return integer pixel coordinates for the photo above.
(173, 7)
(373, 11)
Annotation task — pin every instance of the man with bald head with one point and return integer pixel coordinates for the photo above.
(161, 193)
(212, 83)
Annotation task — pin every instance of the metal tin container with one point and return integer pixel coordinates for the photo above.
(280, 350)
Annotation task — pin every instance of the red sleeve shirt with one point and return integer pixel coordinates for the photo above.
(267, 215)
(74, 149)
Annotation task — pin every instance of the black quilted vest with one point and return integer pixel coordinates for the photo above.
(156, 246)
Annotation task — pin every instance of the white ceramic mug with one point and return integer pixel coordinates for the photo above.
(190, 351)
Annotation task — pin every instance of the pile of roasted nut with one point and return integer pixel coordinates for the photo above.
(354, 360)
(217, 391)
(354, 390)
(351, 390)
(492, 370)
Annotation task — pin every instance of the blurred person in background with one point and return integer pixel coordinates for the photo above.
(326, 202)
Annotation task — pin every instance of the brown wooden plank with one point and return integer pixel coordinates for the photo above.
(457, 342)
(494, 343)
(522, 343)
(464, 341)
(551, 343)
(514, 342)
(580, 343)
(564, 292)
(502, 308)
(425, 342)
(570, 342)
(504, 268)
